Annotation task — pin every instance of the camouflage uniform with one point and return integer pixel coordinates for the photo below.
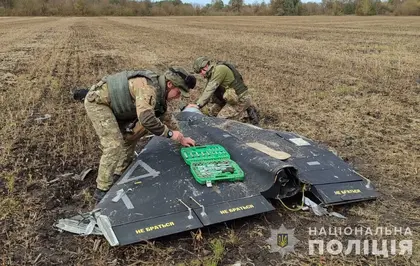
(225, 94)
(117, 145)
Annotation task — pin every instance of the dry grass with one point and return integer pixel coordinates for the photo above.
(348, 82)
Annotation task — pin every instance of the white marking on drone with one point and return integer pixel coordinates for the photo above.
(150, 172)
(121, 194)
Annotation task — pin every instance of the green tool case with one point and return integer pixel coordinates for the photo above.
(211, 163)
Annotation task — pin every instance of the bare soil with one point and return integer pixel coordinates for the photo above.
(347, 82)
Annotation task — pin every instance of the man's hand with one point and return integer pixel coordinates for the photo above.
(178, 136)
(187, 142)
(193, 105)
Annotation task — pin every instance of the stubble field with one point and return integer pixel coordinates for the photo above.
(348, 82)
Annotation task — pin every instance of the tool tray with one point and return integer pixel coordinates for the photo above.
(211, 163)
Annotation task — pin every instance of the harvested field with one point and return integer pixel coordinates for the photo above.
(347, 82)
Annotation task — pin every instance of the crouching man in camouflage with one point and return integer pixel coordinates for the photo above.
(225, 93)
(136, 98)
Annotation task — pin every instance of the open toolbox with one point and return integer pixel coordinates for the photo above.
(211, 163)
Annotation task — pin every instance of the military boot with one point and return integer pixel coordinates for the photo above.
(253, 115)
(115, 177)
(99, 194)
(80, 93)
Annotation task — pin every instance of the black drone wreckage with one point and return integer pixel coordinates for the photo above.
(158, 195)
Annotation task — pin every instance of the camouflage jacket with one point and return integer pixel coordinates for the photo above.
(219, 76)
(144, 97)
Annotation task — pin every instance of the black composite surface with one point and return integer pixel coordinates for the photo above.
(332, 180)
(153, 196)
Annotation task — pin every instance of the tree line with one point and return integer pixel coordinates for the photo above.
(215, 8)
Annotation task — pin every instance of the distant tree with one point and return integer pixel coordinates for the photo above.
(383, 8)
(408, 8)
(260, 8)
(7, 3)
(333, 7)
(289, 7)
(286, 7)
(146, 8)
(217, 4)
(263, 4)
(365, 8)
(236, 5)
(349, 7)
(177, 2)
(276, 7)
(312, 8)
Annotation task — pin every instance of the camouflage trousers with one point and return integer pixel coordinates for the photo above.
(230, 111)
(117, 147)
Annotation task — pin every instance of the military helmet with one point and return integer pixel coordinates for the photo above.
(181, 79)
(199, 63)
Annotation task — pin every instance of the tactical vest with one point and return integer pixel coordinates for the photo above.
(123, 106)
(238, 84)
